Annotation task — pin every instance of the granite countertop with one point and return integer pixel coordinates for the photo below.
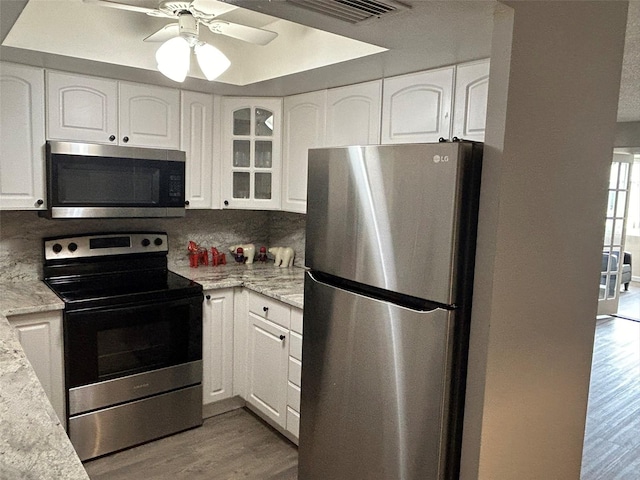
(33, 444)
(284, 284)
(29, 296)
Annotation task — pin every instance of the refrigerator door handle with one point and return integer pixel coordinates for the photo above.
(406, 301)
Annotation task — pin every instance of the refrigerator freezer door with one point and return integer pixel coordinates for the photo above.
(396, 217)
(375, 388)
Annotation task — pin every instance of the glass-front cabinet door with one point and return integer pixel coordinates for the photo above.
(251, 153)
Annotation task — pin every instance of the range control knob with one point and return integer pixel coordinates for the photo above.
(57, 248)
(145, 242)
(72, 247)
(157, 241)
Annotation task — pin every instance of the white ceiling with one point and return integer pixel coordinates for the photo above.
(431, 34)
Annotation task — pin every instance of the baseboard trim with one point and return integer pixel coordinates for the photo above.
(223, 406)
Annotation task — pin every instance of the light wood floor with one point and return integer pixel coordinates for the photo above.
(231, 446)
(629, 303)
(612, 438)
(237, 445)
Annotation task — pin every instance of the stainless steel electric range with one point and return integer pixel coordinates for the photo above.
(132, 339)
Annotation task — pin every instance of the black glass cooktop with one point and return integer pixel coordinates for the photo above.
(122, 287)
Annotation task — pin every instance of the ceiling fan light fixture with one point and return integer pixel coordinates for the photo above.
(212, 61)
(173, 58)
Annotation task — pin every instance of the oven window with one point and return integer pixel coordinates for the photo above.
(134, 348)
(106, 343)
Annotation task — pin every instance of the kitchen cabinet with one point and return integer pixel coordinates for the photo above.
(470, 100)
(217, 345)
(22, 138)
(40, 335)
(353, 114)
(149, 116)
(295, 371)
(268, 358)
(81, 108)
(100, 110)
(417, 107)
(196, 139)
(304, 128)
(251, 153)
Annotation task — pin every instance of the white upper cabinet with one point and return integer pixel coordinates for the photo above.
(196, 139)
(251, 153)
(22, 137)
(99, 110)
(149, 116)
(470, 104)
(304, 128)
(353, 114)
(82, 108)
(417, 107)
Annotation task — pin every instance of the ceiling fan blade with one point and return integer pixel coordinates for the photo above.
(246, 33)
(165, 33)
(124, 6)
(211, 8)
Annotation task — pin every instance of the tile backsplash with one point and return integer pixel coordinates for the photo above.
(21, 235)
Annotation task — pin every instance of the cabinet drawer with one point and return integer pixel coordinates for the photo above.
(293, 396)
(296, 320)
(293, 422)
(295, 345)
(295, 369)
(268, 308)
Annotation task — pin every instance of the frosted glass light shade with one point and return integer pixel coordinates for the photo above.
(173, 58)
(212, 61)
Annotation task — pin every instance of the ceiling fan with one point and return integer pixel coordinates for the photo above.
(173, 56)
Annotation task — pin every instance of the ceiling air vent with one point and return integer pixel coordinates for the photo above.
(352, 11)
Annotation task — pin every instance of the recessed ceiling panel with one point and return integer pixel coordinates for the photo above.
(90, 31)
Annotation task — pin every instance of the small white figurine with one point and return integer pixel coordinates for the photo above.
(284, 256)
(248, 250)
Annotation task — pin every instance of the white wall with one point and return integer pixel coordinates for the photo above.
(555, 76)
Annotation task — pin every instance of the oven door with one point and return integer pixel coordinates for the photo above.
(116, 354)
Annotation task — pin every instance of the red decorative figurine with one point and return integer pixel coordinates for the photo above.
(197, 255)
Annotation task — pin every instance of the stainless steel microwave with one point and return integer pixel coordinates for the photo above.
(106, 181)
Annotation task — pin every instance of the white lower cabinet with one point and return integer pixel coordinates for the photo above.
(273, 361)
(40, 335)
(217, 345)
(268, 358)
(295, 372)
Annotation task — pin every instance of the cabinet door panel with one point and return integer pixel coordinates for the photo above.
(22, 137)
(196, 139)
(353, 114)
(470, 105)
(251, 143)
(82, 108)
(304, 128)
(217, 345)
(149, 116)
(268, 361)
(40, 335)
(416, 107)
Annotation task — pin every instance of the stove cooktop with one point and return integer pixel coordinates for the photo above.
(118, 289)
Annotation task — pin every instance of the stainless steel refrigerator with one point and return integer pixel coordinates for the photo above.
(390, 246)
